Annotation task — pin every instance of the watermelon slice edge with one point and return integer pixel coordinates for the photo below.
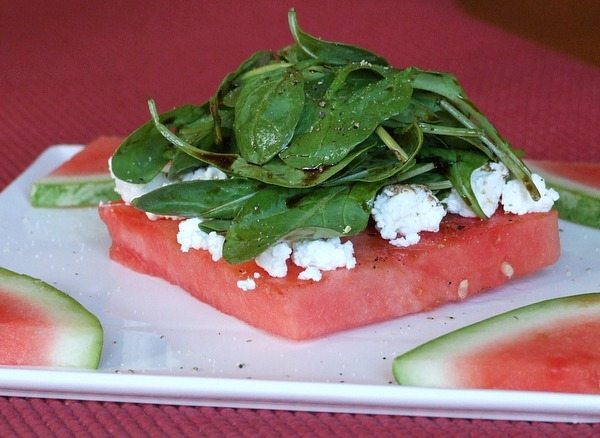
(550, 345)
(82, 181)
(43, 326)
(578, 185)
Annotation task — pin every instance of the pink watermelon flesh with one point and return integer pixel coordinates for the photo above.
(564, 357)
(26, 332)
(548, 346)
(466, 257)
(83, 180)
(42, 326)
(91, 160)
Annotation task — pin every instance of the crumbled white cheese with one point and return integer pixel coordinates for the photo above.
(204, 173)
(274, 259)
(322, 255)
(190, 236)
(487, 183)
(130, 191)
(456, 204)
(516, 198)
(310, 273)
(401, 212)
(246, 285)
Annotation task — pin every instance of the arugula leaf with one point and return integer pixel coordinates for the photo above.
(257, 60)
(182, 163)
(314, 92)
(293, 54)
(466, 113)
(343, 124)
(277, 213)
(327, 51)
(199, 134)
(218, 225)
(458, 165)
(274, 172)
(267, 111)
(145, 152)
(220, 199)
(382, 163)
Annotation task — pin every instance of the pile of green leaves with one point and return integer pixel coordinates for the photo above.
(308, 136)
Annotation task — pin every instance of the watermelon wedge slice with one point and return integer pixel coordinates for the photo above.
(42, 326)
(84, 180)
(578, 185)
(553, 345)
(466, 257)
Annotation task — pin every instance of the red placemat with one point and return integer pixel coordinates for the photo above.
(74, 70)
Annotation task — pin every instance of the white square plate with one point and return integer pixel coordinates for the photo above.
(163, 346)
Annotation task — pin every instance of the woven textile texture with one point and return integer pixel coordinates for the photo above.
(48, 418)
(71, 71)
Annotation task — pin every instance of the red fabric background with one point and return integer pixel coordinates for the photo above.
(72, 70)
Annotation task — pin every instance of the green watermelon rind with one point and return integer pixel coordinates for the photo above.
(60, 192)
(577, 206)
(430, 364)
(578, 202)
(82, 335)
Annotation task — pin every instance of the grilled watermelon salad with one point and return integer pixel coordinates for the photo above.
(311, 143)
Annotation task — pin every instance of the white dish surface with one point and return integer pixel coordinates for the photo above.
(163, 346)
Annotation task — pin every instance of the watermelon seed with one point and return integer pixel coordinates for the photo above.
(463, 289)
(507, 269)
